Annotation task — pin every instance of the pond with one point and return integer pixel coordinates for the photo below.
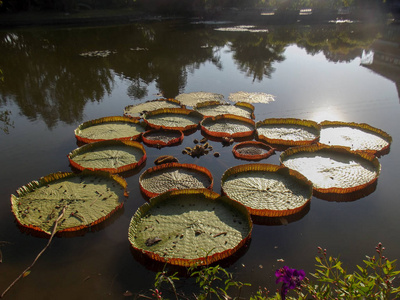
(338, 71)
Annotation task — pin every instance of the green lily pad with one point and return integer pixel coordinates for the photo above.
(187, 227)
(109, 128)
(112, 156)
(267, 190)
(88, 199)
(137, 110)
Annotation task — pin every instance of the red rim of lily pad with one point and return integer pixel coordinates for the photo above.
(177, 137)
(366, 128)
(171, 101)
(104, 120)
(281, 171)
(243, 105)
(253, 144)
(170, 166)
(144, 212)
(227, 117)
(174, 111)
(46, 181)
(365, 156)
(103, 145)
(306, 124)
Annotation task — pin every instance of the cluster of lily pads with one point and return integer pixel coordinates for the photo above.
(184, 222)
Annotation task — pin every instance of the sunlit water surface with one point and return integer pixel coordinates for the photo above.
(48, 89)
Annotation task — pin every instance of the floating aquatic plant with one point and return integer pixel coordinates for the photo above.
(109, 128)
(160, 138)
(137, 110)
(333, 169)
(114, 156)
(252, 150)
(159, 179)
(189, 227)
(215, 108)
(288, 131)
(173, 119)
(356, 136)
(227, 126)
(267, 190)
(192, 99)
(251, 97)
(88, 198)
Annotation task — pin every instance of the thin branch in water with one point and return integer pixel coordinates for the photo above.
(37, 257)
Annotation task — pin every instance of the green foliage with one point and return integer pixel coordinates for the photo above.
(373, 281)
(377, 279)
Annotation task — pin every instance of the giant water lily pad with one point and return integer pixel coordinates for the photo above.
(251, 97)
(161, 138)
(173, 119)
(159, 179)
(356, 136)
(137, 110)
(113, 156)
(288, 131)
(192, 99)
(187, 227)
(215, 108)
(267, 190)
(87, 199)
(109, 128)
(333, 169)
(227, 126)
(252, 150)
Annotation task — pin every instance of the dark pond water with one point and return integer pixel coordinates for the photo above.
(314, 72)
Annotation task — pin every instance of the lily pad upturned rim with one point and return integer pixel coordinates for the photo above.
(180, 111)
(242, 134)
(282, 170)
(339, 149)
(91, 146)
(364, 127)
(244, 105)
(288, 121)
(192, 167)
(33, 185)
(109, 119)
(155, 143)
(172, 100)
(237, 154)
(184, 262)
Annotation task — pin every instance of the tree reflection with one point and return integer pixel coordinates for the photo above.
(255, 54)
(45, 75)
(45, 79)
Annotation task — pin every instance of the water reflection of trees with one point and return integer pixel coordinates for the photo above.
(255, 54)
(47, 78)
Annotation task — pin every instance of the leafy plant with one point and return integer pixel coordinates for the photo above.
(375, 280)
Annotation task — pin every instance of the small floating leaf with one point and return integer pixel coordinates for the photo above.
(162, 178)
